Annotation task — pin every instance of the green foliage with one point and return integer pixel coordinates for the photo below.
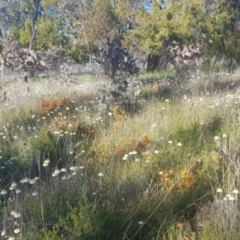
(156, 29)
(50, 28)
(78, 55)
(78, 224)
(25, 33)
(89, 221)
(186, 22)
(47, 33)
(100, 23)
(222, 40)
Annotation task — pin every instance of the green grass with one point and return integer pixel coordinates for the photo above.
(153, 76)
(151, 173)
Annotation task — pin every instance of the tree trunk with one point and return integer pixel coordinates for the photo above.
(34, 20)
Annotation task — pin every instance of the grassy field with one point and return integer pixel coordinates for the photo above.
(161, 162)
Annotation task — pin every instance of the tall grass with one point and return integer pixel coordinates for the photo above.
(72, 170)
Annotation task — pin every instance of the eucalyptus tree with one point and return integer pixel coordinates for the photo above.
(96, 26)
(97, 22)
